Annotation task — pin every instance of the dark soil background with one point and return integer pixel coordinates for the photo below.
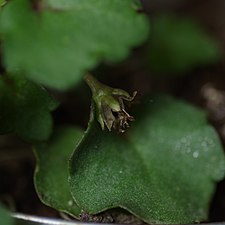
(203, 87)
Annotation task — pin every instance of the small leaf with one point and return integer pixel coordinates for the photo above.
(6, 219)
(63, 40)
(51, 176)
(163, 169)
(180, 44)
(25, 109)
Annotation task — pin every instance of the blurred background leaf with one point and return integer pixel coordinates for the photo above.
(25, 108)
(2, 3)
(179, 44)
(56, 47)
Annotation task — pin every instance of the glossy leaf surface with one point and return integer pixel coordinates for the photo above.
(51, 176)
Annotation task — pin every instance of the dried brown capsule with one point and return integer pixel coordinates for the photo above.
(109, 104)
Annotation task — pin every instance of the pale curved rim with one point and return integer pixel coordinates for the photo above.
(52, 221)
(45, 220)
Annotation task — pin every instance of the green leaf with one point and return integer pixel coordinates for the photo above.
(61, 42)
(6, 219)
(180, 44)
(68, 4)
(163, 169)
(51, 175)
(25, 109)
(2, 3)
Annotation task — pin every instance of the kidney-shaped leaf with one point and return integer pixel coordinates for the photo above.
(163, 170)
(25, 109)
(60, 41)
(51, 175)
